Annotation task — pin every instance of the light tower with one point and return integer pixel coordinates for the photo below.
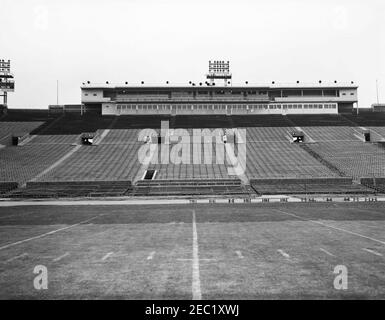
(219, 69)
(7, 83)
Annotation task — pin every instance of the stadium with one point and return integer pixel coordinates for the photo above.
(178, 223)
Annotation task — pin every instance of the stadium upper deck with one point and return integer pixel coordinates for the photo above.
(206, 98)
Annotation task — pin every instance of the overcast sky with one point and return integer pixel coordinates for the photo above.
(158, 40)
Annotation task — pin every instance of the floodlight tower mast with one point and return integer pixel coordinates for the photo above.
(219, 70)
(7, 83)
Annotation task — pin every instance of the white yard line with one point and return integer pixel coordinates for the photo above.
(196, 283)
(283, 253)
(61, 257)
(239, 254)
(47, 233)
(373, 252)
(151, 255)
(17, 257)
(109, 254)
(331, 227)
(327, 252)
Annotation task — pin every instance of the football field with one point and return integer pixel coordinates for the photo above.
(213, 251)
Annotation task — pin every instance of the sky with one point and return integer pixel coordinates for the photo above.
(155, 41)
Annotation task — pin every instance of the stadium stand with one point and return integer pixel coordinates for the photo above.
(367, 119)
(377, 184)
(73, 189)
(318, 120)
(308, 186)
(190, 187)
(268, 134)
(213, 170)
(353, 158)
(27, 115)
(303, 167)
(8, 129)
(73, 124)
(23, 163)
(140, 121)
(239, 121)
(279, 159)
(5, 187)
(98, 163)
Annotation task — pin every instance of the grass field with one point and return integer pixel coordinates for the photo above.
(245, 251)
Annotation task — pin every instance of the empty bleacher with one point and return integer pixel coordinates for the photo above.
(7, 186)
(308, 186)
(280, 159)
(354, 158)
(98, 163)
(377, 184)
(20, 128)
(55, 189)
(23, 163)
(318, 120)
(268, 134)
(215, 169)
(74, 124)
(368, 119)
(191, 187)
(259, 121)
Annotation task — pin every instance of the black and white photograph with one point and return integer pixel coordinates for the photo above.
(192, 155)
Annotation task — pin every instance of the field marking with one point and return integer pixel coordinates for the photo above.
(331, 227)
(17, 257)
(151, 255)
(200, 259)
(327, 252)
(61, 257)
(109, 254)
(196, 283)
(373, 252)
(283, 253)
(48, 233)
(239, 254)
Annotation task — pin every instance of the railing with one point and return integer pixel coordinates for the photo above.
(200, 98)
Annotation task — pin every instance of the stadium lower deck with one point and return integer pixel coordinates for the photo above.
(51, 162)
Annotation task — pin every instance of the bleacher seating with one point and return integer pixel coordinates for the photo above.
(353, 158)
(23, 163)
(333, 133)
(259, 121)
(7, 129)
(337, 152)
(213, 170)
(74, 124)
(201, 121)
(73, 189)
(308, 186)
(191, 187)
(280, 159)
(27, 115)
(7, 186)
(318, 120)
(368, 119)
(97, 163)
(377, 184)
